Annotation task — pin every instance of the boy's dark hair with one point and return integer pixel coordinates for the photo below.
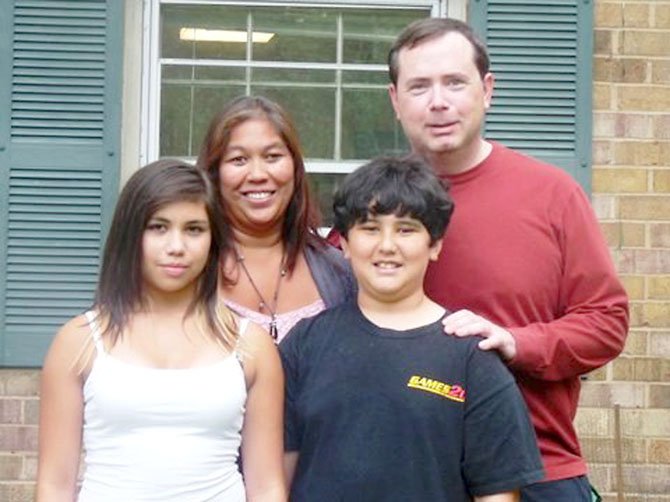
(427, 29)
(404, 186)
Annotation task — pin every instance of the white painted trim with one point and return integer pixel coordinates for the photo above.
(131, 115)
(365, 4)
(457, 9)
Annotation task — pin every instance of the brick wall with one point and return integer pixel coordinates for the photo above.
(631, 195)
(19, 408)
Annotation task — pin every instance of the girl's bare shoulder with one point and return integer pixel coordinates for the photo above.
(69, 343)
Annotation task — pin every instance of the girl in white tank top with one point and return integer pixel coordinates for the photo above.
(160, 382)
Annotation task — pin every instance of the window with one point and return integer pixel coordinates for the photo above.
(325, 62)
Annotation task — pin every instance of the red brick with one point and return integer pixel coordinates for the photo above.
(644, 43)
(602, 97)
(634, 285)
(648, 423)
(636, 343)
(601, 476)
(636, 15)
(656, 314)
(636, 315)
(659, 342)
(633, 234)
(598, 375)
(662, 16)
(641, 369)
(647, 479)
(17, 492)
(10, 411)
(654, 98)
(606, 395)
(660, 72)
(602, 152)
(601, 450)
(659, 235)
(661, 181)
(20, 382)
(659, 396)
(619, 180)
(643, 261)
(659, 288)
(662, 122)
(638, 153)
(645, 207)
(19, 438)
(634, 126)
(607, 14)
(602, 42)
(31, 411)
(10, 467)
(659, 451)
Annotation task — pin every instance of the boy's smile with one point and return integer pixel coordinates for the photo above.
(389, 255)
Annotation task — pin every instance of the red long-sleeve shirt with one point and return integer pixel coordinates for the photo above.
(525, 251)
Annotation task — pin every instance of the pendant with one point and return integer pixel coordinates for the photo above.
(273, 329)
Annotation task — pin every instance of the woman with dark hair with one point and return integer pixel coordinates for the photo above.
(160, 381)
(276, 269)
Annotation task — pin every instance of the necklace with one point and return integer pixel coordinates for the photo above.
(263, 305)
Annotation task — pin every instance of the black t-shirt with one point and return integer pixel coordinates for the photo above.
(384, 415)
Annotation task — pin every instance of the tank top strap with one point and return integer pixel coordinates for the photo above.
(241, 329)
(96, 334)
(244, 324)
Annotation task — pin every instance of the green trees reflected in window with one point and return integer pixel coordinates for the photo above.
(326, 66)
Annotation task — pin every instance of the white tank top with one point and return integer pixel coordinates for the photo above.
(164, 435)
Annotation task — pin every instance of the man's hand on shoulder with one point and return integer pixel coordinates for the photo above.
(466, 323)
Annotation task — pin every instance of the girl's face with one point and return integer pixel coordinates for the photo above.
(256, 177)
(175, 247)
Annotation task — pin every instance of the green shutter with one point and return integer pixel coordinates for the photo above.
(541, 56)
(59, 155)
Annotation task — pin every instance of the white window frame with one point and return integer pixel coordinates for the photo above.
(151, 83)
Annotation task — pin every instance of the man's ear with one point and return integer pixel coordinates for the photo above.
(435, 250)
(393, 94)
(489, 81)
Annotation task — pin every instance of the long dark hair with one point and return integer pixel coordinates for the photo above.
(302, 218)
(120, 290)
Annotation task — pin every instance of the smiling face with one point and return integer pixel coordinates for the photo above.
(440, 98)
(389, 255)
(256, 177)
(175, 247)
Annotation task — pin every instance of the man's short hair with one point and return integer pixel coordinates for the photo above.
(404, 186)
(430, 28)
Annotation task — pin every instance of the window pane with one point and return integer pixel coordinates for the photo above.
(299, 34)
(208, 100)
(323, 186)
(368, 36)
(313, 112)
(178, 40)
(281, 76)
(300, 39)
(190, 95)
(379, 78)
(369, 126)
(174, 128)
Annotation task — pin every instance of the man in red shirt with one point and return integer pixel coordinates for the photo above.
(524, 263)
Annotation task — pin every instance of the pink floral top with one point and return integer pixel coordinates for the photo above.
(285, 320)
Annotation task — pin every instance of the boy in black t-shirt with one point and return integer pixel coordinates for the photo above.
(381, 405)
